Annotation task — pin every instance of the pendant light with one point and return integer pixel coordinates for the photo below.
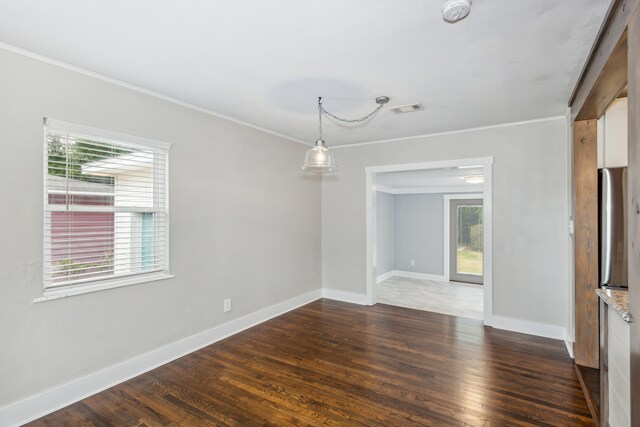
(319, 158)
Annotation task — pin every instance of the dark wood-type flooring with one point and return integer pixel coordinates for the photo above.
(589, 379)
(333, 363)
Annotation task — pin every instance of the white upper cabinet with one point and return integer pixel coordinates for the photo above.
(612, 136)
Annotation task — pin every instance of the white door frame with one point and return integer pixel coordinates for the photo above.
(371, 237)
(447, 225)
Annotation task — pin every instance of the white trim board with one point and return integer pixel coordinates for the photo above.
(410, 275)
(350, 297)
(83, 71)
(104, 134)
(569, 345)
(385, 276)
(568, 342)
(429, 190)
(36, 406)
(528, 327)
(451, 132)
(439, 164)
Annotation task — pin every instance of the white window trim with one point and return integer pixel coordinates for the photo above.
(52, 293)
(106, 135)
(72, 290)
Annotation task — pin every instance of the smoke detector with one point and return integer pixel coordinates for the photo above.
(410, 108)
(455, 10)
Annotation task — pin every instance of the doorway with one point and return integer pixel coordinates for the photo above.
(483, 193)
(466, 240)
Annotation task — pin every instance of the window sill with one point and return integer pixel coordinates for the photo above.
(54, 294)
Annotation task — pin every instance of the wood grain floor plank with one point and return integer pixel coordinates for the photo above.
(332, 363)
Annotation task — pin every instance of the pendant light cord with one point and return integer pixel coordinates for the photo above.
(320, 109)
(358, 120)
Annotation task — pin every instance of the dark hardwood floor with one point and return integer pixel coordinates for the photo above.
(332, 363)
(589, 379)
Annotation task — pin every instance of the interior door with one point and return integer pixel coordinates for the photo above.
(466, 241)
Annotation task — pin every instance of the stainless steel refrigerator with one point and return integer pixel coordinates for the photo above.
(613, 228)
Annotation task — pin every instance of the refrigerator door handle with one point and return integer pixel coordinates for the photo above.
(607, 228)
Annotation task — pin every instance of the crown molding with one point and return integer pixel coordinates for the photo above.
(452, 132)
(84, 71)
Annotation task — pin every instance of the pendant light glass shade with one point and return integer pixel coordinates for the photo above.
(319, 159)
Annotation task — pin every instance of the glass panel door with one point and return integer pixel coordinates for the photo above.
(466, 241)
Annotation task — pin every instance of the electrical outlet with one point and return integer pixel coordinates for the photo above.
(413, 262)
(227, 305)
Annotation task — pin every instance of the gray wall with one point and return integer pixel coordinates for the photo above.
(244, 224)
(384, 224)
(418, 233)
(530, 239)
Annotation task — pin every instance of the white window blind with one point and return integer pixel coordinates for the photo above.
(106, 206)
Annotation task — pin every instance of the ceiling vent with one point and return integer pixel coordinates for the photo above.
(407, 108)
(455, 10)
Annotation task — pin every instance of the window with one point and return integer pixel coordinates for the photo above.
(106, 209)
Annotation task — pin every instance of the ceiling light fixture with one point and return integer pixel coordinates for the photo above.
(455, 10)
(469, 167)
(319, 158)
(474, 179)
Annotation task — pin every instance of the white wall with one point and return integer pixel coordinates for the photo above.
(244, 224)
(385, 232)
(418, 233)
(530, 194)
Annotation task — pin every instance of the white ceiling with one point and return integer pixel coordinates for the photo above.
(445, 180)
(265, 62)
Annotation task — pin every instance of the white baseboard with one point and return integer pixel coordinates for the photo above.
(413, 275)
(527, 327)
(51, 400)
(385, 276)
(351, 297)
(568, 341)
(569, 345)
